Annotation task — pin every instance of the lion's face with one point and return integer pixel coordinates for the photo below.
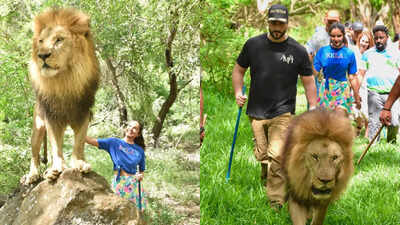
(53, 50)
(318, 161)
(323, 158)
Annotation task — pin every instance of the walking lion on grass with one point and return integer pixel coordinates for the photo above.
(65, 74)
(318, 162)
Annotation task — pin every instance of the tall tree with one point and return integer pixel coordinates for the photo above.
(182, 36)
(172, 74)
(370, 11)
(395, 11)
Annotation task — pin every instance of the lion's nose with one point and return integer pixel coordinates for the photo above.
(325, 181)
(44, 56)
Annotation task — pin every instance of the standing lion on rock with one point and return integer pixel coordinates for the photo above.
(65, 74)
(317, 158)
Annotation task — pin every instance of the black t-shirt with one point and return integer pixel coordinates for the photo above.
(274, 69)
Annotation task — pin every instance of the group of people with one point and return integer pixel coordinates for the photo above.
(344, 68)
(365, 60)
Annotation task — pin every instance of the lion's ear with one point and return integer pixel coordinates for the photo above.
(82, 19)
(80, 24)
(37, 26)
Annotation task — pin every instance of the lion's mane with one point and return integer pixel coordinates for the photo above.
(69, 95)
(303, 129)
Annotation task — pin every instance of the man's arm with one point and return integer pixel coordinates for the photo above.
(393, 95)
(310, 89)
(386, 115)
(237, 82)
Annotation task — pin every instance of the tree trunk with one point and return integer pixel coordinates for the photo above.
(123, 112)
(173, 86)
(366, 13)
(395, 15)
(353, 11)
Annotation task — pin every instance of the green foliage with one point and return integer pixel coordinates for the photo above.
(222, 41)
(377, 4)
(221, 44)
(14, 163)
(131, 34)
(15, 92)
(225, 4)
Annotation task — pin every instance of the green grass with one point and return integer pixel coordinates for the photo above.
(372, 197)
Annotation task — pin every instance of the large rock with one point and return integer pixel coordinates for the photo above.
(73, 199)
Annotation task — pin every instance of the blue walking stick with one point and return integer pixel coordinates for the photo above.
(140, 193)
(234, 138)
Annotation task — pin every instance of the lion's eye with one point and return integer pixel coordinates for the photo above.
(315, 156)
(335, 157)
(40, 41)
(59, 39)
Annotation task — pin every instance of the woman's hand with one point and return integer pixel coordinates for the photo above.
(358, 101)
(139, 176)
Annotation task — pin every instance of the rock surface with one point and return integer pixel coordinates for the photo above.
(73, 199)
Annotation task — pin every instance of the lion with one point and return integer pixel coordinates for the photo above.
(64, 72)
(318, 163)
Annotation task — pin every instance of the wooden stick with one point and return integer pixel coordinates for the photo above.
(369, 145)
(204, 119)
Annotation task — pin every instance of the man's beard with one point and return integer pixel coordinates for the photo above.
(277, 34)
(380, 46)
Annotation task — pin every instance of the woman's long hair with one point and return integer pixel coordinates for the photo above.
(342, 30)
(139, 140)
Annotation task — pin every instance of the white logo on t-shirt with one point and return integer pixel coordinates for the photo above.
(287, 59)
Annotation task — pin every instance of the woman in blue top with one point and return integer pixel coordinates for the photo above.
(127, 154)
(337, 61)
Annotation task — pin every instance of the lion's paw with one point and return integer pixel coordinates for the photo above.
(28, 179)
(52, 174)
(81, 166)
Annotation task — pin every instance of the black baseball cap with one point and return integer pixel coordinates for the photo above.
(278, 13)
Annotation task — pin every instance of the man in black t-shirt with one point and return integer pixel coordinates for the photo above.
(275, 61)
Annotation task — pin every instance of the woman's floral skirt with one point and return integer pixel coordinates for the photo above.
(127, 187)
(337, 94)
